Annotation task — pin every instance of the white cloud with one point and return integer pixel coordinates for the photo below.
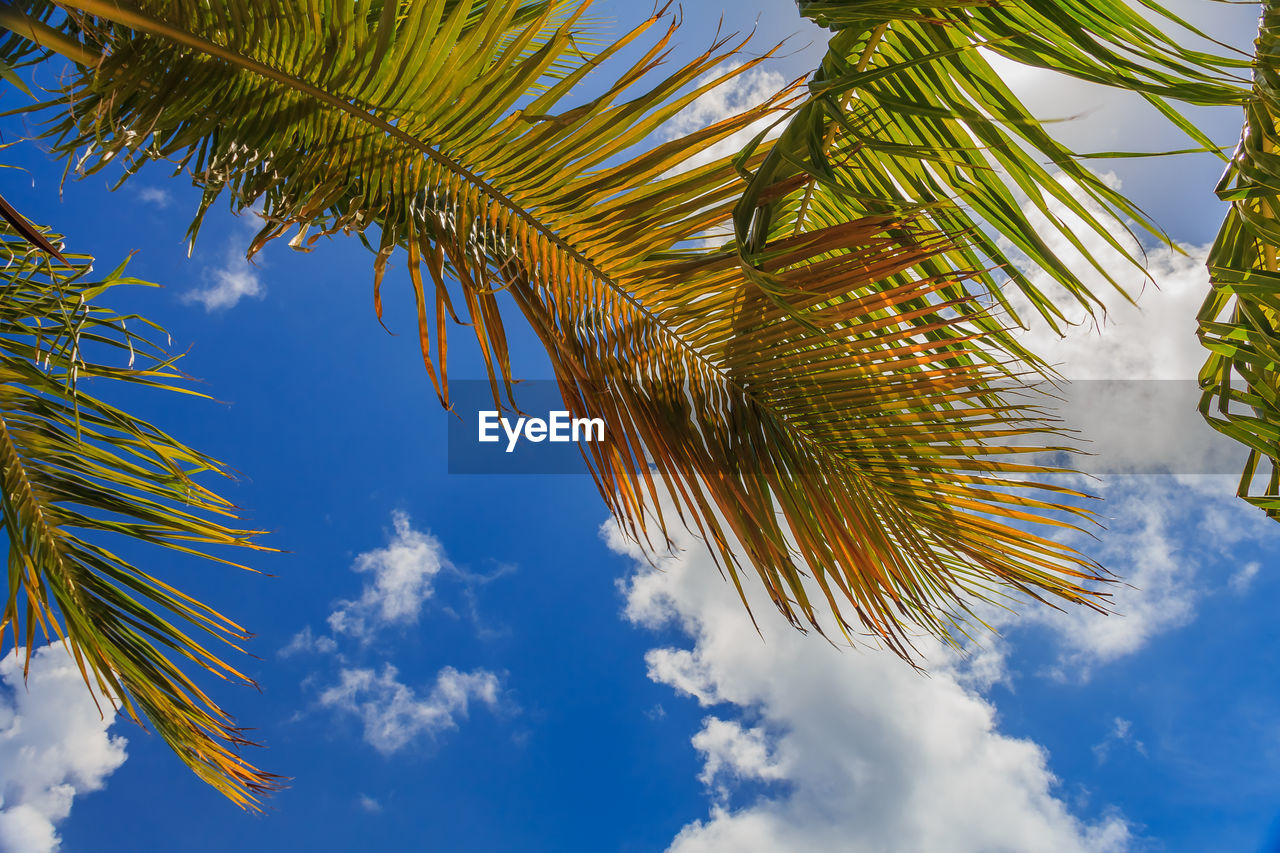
(369, 804)
(306, 642)
(1087, 117)
(864, 753)
(737, 95)
(1243, 579)
(729, 749)
(1137, 426)
(403, 575)
(1157, 574)
(158, 196)
(1093, 118)
(236, 279)
(1133, 416)
(53, 746)
(394, 715)
(1132, 397)
(1155, 339)
(1121, 734)
(1162, 533)
(872, 756)
(869, 754)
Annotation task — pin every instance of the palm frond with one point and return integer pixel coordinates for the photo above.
(19, 224)
(1240, 319)
(855, 434)
(908, 115)
(79, 476)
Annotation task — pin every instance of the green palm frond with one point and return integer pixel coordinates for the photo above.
(908, 115)
(1240, 319)
(80, 476)
(855, 436)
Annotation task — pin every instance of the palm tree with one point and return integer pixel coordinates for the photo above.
(828, 393)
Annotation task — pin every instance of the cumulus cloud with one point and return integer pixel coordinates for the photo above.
(403, 575)
(1157, 573)
(54, 746)
(866, 753)
(394, 714)
(1131, 399)
(860, 752)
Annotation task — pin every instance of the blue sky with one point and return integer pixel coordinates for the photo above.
(476, 663)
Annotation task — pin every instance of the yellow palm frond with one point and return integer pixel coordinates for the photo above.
(829, 389)
(851, 440)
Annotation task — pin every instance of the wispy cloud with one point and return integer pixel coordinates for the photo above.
(1121, 735)
(236, 277)
(157, 196)
(307, 642)
(1243, 579)
(394, 714)
(54, 746)
(402, 579)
